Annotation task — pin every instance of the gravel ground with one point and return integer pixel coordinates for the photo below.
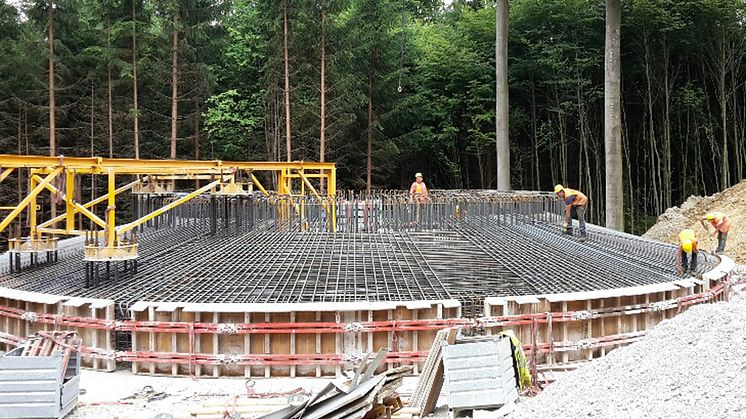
(119, 394)
(691, 366)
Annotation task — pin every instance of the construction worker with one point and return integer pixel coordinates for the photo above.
(418, 190)
(575, 202)
(687, 246)
(721, 223)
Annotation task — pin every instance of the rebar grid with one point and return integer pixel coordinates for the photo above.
(464, 245)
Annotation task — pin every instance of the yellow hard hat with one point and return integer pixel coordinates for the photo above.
(686, 246)
(558, 188)
(418, 174)
(710, 216)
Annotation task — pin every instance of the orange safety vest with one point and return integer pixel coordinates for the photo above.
(721, 222)
(418, 188)
(580, 198)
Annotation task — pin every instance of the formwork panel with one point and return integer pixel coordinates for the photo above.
(280, 345)
(230, 343)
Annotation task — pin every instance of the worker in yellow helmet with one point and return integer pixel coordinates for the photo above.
(418, 190)
(721, 223)
(687, 247)
(575, 203)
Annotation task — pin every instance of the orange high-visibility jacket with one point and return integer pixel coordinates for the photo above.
(721, 222)
(418, 188)
(575, 198)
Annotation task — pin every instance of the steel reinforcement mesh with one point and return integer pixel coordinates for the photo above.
(451, 247)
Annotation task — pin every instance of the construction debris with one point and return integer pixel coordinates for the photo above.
(425, 395)
(478, 372)
(366, 395)
(41, 377)
(690, 366)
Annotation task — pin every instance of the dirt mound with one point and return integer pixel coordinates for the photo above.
(731, 201)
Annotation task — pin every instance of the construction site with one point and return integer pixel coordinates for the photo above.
(265, 270)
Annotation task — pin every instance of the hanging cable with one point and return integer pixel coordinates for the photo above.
(399, 88)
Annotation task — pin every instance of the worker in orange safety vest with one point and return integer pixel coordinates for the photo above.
(721, 223)
(687, 246)
(575, 202)
(418, 190)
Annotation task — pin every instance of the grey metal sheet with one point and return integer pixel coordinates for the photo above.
(479, 374)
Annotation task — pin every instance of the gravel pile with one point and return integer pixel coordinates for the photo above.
(691, 366)
(731, 201)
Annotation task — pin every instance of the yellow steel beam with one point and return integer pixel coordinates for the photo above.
(76, 208)
(259, 185)
(132, 166)
(111, 210)
(69, 203)
(89, 204)
(61, 231)
(309, 186)
(5, 173)
(31, 197)
(159, 211)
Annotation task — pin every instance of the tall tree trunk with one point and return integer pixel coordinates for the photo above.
(19, 187)
(135, 107)
(52, 122)
(287, 81)
(174, 85)
(724, 167)
(108, 88)
(93, 150)
(612, 118)
(370, 131)
(667, 187)
(50, 41)
(737, 142)
(197, 129)
(322, 133)
(655, 158)
(535, 142)
(501, 95)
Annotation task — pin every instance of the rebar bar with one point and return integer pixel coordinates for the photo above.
(386, 247)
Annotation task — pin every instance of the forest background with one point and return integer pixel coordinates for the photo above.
(408, 86)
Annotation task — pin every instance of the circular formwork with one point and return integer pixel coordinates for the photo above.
(245, 294)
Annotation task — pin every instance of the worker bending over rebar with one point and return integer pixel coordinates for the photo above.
(687, 247)
(575, 204)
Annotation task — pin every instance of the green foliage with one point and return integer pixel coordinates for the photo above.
(683, 69)
(230, 120)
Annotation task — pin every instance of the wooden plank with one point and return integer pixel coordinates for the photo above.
(110, 314)
(174, 342)
(432, 397)
(267, 347)
(151, 337)
(292, 345)
(247, 345)
(216, 345)
(197, 345)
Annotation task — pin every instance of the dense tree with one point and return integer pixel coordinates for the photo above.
(205, 79)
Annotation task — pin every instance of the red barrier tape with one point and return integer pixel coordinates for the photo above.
(337, 328)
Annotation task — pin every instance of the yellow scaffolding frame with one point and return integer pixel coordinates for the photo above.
(44, 171)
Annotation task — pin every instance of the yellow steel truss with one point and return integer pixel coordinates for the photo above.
(293, 179)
